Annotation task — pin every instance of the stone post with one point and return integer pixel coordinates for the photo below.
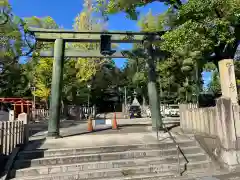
(11, 115)
(227, 133)
(56, 89)
(228, 80)
(24, 117)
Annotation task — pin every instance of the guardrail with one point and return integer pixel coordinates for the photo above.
(179, 151)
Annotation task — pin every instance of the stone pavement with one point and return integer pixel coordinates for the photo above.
(71, 127)
(75, 128)
(95, 140)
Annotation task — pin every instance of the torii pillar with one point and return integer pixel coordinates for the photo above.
(56, 89)
(152, 88)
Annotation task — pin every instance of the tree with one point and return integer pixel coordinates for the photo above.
(10, 36)
(87, 67)
(129, 6)
(13, 81)
(39, 69)
(214, 85)
(207, 29)
(43, 79)
(170, 76)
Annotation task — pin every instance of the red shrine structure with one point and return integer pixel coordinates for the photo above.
(19, 105)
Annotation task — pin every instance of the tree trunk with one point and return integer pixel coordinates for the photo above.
(46, 104)
(144, 101)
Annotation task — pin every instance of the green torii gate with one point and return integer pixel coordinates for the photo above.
(59, 37)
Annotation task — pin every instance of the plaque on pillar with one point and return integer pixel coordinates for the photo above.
(228, 80)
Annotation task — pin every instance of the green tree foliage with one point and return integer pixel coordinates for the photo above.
(214, 85)
(43, 76)
(39, 69)
(77, 72)
(10, 36)
(209, 29)
(12, 79)
(135, 72)
(198, 32)
(129, 6)
(86, 67)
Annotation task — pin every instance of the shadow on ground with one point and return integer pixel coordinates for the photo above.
(36, 127)
(3, 160)
(35, 144)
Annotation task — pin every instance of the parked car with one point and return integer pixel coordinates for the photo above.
(172, 111)
(135, 111)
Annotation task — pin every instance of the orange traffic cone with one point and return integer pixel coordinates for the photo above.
(90, 126)
(114, 122)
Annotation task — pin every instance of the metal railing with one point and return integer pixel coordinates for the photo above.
(179, 151)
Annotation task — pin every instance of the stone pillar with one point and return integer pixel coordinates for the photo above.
(24, 117)
(225, 123)
(183, 120)
(11, 115)
(229, 89)
(228, 80)
(226, 131)
(56, 89)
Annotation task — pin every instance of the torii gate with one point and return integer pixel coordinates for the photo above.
(59, 37)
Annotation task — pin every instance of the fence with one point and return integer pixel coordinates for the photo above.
(73, 112)
(12, 133)
(41, 114)
(80, 111)
(198, 120)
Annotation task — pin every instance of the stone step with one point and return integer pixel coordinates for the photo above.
(102, 157)
(42, 170)
(162, 170)
(40, 153)
(209, 174)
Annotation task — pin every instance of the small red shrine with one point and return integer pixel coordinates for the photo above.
(20, 105)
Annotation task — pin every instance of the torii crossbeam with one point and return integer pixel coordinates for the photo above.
(59, 37)
(82, 54)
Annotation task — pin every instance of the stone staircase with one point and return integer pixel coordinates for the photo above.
(121, 162)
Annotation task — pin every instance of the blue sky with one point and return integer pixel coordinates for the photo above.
(64, 12)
